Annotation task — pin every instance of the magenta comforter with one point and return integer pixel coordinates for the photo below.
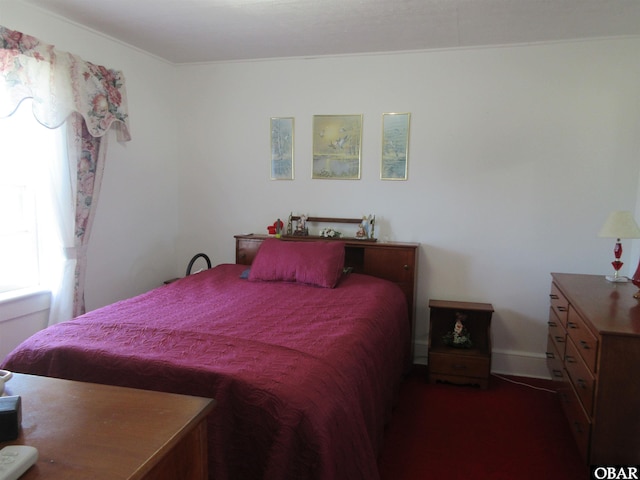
(304, 377)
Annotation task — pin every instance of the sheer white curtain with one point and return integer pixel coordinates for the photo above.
(57, 207)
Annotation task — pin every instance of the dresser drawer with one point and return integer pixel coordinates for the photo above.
(580, 375)
(584, 340)
(559, 303)
(557, 331)
(578, 420)
(555, 362)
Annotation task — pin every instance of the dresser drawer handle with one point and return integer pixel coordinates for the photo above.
(557, 373)
(578, 427)
(552, 324)
(459, 367)
(559, 339)
(581, 383)
(550, 355)
(569, 359)
(406, 267)
(584, 345)
(562, 309)
(572, 325)
(553, 296)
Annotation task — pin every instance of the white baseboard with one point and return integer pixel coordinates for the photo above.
(521, 364)
(420, 352)
(505, 362)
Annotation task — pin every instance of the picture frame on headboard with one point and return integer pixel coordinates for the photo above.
(395, 146)
(282, 141)
(337, 146)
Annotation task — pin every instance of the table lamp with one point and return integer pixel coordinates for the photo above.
(620, 224)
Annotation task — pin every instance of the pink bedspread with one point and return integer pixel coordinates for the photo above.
(304, 377)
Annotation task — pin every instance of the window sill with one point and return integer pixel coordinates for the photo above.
(18, 303)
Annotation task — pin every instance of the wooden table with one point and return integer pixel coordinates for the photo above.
(89, 431)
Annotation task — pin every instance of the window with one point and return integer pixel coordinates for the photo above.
(26, 150)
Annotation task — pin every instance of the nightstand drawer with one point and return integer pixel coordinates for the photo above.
(466, 366)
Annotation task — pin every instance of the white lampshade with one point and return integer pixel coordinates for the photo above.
(620, 224)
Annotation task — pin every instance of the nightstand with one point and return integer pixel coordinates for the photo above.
(460, 365)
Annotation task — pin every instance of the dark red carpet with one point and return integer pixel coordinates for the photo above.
(507, 432)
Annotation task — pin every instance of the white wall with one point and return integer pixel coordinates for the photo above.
(517, 155)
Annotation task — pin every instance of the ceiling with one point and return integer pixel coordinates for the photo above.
(192, 31)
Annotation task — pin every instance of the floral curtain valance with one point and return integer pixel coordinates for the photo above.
(60, 83)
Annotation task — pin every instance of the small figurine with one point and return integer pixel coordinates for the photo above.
(301, 226)
(459, 337)
(363, 229)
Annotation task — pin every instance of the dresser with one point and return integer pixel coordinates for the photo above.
(101, 432)
(593, 352)
(393, 261)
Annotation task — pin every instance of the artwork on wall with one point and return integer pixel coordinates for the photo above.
(337, 146)
(282, 130)
(395, 146)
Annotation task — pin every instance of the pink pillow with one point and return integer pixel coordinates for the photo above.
(313, 263)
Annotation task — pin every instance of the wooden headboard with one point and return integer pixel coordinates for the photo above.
(393, 261)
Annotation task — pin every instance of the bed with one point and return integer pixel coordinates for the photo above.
(302, 358)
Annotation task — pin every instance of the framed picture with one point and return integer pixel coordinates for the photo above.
(395, 146)
(337, 146)
(282, 129)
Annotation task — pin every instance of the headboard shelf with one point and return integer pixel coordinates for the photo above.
(295, 218)
(365, 230)
(318, 237)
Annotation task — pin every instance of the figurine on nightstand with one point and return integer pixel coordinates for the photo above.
(459, 337)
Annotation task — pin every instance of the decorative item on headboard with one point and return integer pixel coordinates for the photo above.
(364, 231)
(301, 225)
(276, 228)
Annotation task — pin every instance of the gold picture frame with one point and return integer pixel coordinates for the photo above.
(395, 146)
(282, 139)
(337, 147)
